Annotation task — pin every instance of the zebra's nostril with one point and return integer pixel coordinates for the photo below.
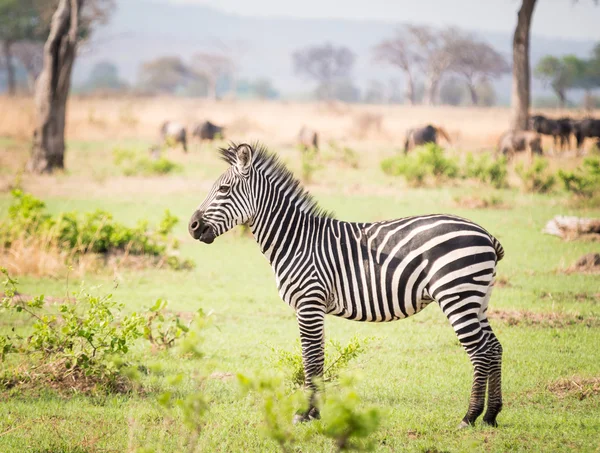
(194, 226)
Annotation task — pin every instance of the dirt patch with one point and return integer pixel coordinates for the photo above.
(221, 375)
(480, 203)
(541, 319)
(575, 386)
(587, 264)
(571, 297)
(502, 282)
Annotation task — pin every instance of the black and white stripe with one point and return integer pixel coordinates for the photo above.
(375, 272)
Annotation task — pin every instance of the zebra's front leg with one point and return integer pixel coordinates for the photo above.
(311, 321)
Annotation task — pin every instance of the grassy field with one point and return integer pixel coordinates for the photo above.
(415, 371)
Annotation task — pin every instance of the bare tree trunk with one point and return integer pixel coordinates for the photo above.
(10, 69)
(52, 89)
(521, 71)
(430, 90)
(562, 99)
(410, 89)
(473, 93)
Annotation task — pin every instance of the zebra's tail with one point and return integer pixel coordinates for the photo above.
(498, 247)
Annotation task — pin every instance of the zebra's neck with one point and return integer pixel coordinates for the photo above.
(281, 226)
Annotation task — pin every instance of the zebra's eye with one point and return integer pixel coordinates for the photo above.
(224, 188)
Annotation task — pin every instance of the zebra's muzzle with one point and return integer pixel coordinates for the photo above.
(200, 230)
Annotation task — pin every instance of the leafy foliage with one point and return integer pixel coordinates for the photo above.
(86, 339)
(163, 330)
(487, 170)
(95, 232)
(133, 165)
(536, 178)
(585, 181)
(424, 161)
(337, 359)
(344, 418)
(278, 407)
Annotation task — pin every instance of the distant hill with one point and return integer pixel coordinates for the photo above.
(141, 30)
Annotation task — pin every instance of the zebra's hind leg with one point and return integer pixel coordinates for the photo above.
(463, 311)
(494, 401)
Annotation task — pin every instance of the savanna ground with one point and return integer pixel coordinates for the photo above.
(415, 371)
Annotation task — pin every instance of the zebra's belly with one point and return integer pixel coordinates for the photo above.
(374, 310)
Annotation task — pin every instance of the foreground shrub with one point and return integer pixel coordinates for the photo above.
(80, 344)
(536, 178)
(344, 418)
(424, 161)
(92, 233)
(134, 164)
(337, 359)
(486, 169)
(84, 342)
(584, 182)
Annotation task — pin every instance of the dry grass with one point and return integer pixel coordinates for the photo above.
(542, 319)
(275, 122)
(576, 386)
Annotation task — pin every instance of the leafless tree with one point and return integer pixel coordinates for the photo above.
(400, 51)
(475, 61)
(212, 66)
(327, 64)
(52, 88)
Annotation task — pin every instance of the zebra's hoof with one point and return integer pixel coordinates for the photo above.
(493, 423)
(464, 424)
(311, 414)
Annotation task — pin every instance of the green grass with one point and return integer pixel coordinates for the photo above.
(415, 370)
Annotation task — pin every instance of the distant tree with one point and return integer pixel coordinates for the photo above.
(31, 56)
(436, 58)
(559, 73)
(20, 20)
(486, 95)
(164, 75)
(326, 64)
(104, 76)
(264, 89)
(475, 61)
(212, 67)
(452, 91)
(375, 93)
(400, 51)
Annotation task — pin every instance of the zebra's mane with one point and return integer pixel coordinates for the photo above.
(270, 165)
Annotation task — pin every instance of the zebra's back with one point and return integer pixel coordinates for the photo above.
(390, 270)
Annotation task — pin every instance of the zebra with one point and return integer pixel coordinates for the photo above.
(377, 272)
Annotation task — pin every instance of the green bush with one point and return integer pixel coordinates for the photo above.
(536, 178)
(424, 161)
(585, 181)
(95, 232)
(345, 420)
(310, 164)
(132, 164)
(83, 343)
(337, 359)
(486, 169)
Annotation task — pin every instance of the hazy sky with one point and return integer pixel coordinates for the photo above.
(560, 18)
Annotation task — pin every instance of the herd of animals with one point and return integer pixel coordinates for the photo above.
(510, 142)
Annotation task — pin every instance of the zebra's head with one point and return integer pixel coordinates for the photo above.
(229, 202)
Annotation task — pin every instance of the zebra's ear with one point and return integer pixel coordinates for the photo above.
(244, 157)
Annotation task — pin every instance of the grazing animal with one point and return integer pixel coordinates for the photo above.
(422, 135)
(565, 129)
(208, 131)
(171, 131)
(512, 142)
(378, 272)
(308, 139)
(588, 127)
(559, 129)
